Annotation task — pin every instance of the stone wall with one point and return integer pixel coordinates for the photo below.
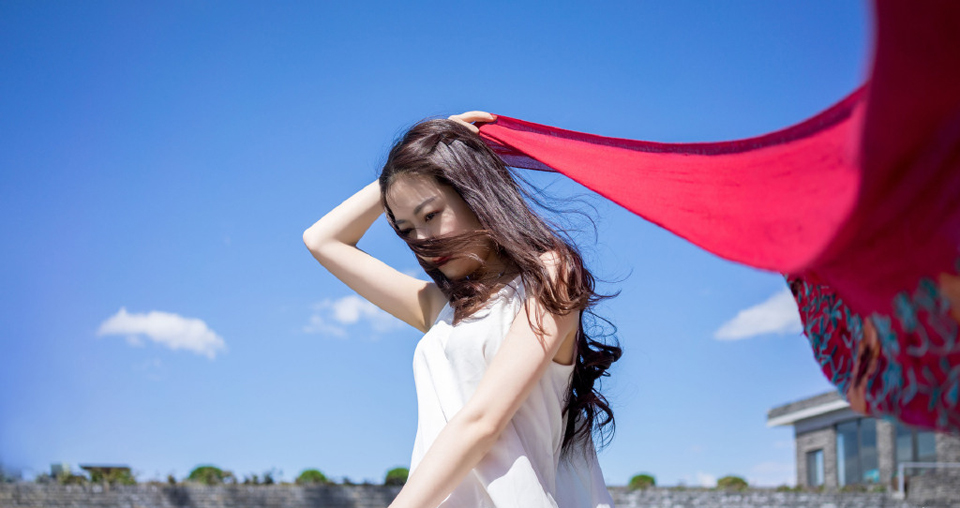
(702, 498)
(934, 485)
(825, 439)
(886, 450)
(948, 447)
(31, 495)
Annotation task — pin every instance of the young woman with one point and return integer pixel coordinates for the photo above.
(505, 372)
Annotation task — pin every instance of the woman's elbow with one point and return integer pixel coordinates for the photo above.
(485, 428)
(314, 240)
(308, 239)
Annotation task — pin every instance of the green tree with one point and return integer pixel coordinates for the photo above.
(396, 476)
(642, 481)
(312, 477)
(732, 483)
(209, 475)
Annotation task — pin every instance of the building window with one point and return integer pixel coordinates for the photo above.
(857, 452)
(815, 468)
(915, 445)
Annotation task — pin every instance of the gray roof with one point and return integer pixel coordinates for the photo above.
(792, 407)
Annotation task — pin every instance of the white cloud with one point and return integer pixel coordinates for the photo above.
(771, 474)
(318, 324)
(706, 479)
(167, 329)
(776, 315)
(332, 317)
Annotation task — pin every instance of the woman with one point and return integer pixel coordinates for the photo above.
(507, 402)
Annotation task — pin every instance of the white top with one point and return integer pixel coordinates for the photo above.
(523, 469)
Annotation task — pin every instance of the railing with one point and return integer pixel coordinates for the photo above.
(901, 493)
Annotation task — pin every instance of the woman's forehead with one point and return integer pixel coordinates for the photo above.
(407, 193)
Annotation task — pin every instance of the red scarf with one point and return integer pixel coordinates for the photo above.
(859, 204)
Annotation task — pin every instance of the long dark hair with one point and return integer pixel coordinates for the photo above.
(452, 155)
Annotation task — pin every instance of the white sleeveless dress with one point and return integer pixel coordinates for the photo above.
(524, 468)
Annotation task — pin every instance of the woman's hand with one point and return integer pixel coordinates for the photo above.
(470, 117)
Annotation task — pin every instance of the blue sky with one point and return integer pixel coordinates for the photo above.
(159, 162)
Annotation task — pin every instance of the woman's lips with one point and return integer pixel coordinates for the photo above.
(440, 261)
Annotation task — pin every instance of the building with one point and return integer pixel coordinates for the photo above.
(837, 447)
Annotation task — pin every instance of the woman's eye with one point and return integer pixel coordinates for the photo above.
(427, 217)
(405, 232)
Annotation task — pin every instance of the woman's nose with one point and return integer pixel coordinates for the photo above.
(426, 232)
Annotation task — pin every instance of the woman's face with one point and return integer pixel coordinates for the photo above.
(423, 209)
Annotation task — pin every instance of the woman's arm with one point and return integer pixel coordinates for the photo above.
(333, 242)
(519, 364)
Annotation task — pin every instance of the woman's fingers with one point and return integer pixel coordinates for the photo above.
(469, 117)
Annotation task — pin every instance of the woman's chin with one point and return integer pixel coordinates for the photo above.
(454, 270)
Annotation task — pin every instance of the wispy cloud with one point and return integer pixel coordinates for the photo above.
(706, 479)
(334, 317)
(776, 315)
(165, 328)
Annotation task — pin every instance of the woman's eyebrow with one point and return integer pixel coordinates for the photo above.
(416, 211)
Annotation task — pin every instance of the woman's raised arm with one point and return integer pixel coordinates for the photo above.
(333, 242)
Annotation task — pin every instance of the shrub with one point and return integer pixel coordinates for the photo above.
(397, 476)
(642, 481)
(43, 478)
(209, 475)
(732, 483)
(311, 477)
(8, 476)
(67, 478)
(268, 478)
(853, 488)
(795, 488)
(118, 476)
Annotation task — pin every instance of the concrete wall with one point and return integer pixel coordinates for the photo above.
(31, 495)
